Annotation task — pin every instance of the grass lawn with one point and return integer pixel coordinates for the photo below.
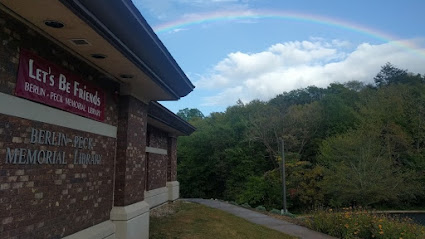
(190, 220)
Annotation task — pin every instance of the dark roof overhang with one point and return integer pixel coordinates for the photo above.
(164, 119)
(122, 25)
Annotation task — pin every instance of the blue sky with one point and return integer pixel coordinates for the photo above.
(256, 49)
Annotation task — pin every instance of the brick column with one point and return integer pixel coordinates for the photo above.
(172, 159)
(130, 213)
(131, 152)
(172, 185)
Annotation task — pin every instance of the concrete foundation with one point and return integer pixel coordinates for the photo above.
(156, 197)
(173, 190)
(104, 230)
(132, 221)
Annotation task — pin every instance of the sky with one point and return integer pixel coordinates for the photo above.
(256, 49)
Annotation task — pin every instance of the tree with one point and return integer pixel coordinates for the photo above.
(355, 85)
(189, 114)
(301, 125)
(390, 75)
(265, 190)
(345, 144)
(266, 127)
(360, 172)
(297, 97)
(216, 160)
(304, 184)
(339, 110)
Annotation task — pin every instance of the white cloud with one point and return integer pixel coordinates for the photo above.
(297, 64)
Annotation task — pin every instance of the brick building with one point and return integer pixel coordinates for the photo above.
(85, 149)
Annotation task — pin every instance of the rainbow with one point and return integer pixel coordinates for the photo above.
(292, 16)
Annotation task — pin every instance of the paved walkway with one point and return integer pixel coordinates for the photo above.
(264, 220)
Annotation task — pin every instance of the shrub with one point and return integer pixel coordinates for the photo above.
(363, 224)
(261, 208)
(246, 205)
(288, 214)
(275, 211)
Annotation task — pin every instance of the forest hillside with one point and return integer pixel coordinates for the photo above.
(345, 145)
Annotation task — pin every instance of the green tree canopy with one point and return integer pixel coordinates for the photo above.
(346, 144)
(390, 74)
(189, 114)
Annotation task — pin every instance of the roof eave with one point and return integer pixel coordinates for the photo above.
(164, 116)
(86, 12)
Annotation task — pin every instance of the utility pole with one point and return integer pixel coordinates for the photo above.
(284, 210)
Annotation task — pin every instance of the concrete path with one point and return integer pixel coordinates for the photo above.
(261, 219)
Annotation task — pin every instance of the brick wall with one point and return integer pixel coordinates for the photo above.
(157, 138)
(157, 163)
(50, 201)
(157, 171)
(172, 159)
(131, 150)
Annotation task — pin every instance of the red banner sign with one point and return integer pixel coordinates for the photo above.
(42, 81)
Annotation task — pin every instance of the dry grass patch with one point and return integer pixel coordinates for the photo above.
(190, 220)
